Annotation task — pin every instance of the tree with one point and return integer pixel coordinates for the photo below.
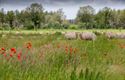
(60, 15)
(55, 19)
(85, 15)
(10, 18)
(104, 17)
(122, 18)
(17, 21)
(2, 16)
(36, 14)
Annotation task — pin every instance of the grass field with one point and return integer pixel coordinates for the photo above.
(58, 30)
(30, 56)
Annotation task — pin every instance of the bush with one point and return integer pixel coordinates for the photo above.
(58, 33)
(65, 26)
(29, 25)
(73, 27)
(5, 26)
(82, 25)
(55, 25)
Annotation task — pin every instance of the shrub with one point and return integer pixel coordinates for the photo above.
(58, 33)
(73, 27)
(6, 27)
(29, 25)
(82, 25)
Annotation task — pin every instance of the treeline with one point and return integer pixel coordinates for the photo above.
(34, 17)
(104, 19)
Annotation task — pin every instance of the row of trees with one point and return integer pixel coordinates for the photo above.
(105, 18)
(34, 17)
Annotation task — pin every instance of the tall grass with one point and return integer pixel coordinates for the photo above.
(52, 57)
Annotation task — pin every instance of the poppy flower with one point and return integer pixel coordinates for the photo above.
(66, 49)
(11, 55)
(4, 54)
(3, 49)
(28, 45)
(13, 50)
(19, 56)
(71, 50)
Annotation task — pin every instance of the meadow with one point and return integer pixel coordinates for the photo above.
(47, 55)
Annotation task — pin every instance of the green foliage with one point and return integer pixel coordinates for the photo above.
(55, 26)
(73, 26)
(2, 16)
(29, 25)
(82, 25)
(10, 18)
(85, 14)
(73, 75)
(36, 14)
(6, 27)
(86, 18)
(58, 33)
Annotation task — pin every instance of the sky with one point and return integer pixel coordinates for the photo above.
(70, 7)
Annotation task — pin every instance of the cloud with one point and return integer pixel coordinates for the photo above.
(61, 2)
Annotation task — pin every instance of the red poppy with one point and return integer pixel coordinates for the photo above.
(13, 50)
(28, 45)
(4, 54)
(66, 49)
(11, 55)
(71, 50)
(3, 49)
(19, 56)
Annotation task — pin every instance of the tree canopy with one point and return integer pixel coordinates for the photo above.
(35, 17)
